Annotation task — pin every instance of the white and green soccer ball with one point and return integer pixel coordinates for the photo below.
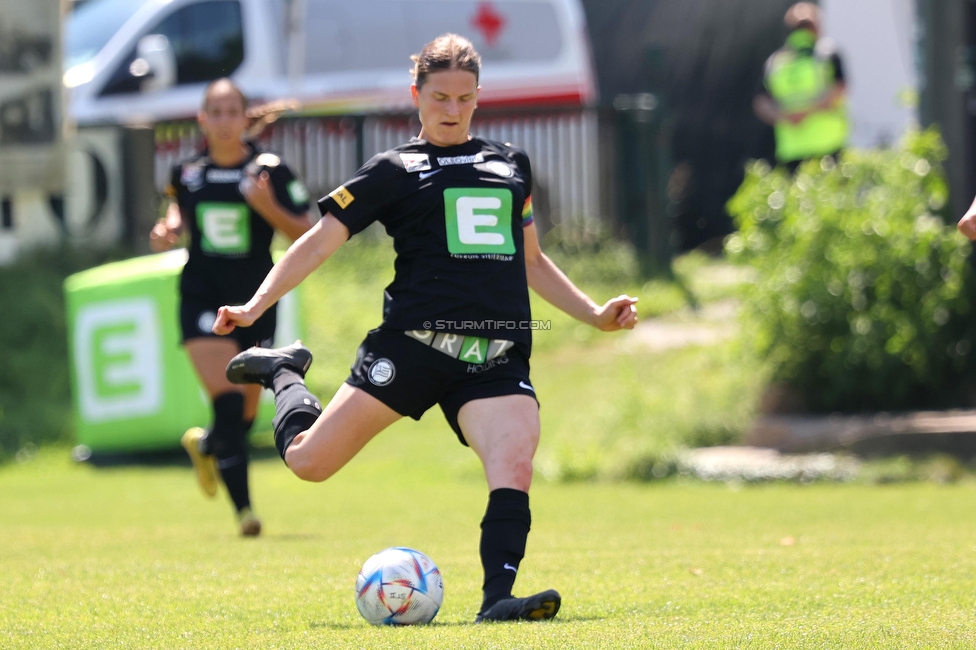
(399, 586)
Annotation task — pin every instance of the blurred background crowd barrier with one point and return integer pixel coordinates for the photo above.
(640, 129)
(326, 151)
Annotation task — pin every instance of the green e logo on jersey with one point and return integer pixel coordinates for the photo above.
(226, 228)
(298, 192)
(479, 220)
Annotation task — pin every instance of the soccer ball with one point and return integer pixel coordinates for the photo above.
(399, 586)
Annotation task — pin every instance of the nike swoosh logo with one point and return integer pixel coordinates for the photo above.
(426, 175)
(509, 567)
(524, 385)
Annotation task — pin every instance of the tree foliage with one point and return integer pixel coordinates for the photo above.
(864, 297)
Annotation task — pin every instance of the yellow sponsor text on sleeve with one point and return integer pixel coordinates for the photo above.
(342, 196)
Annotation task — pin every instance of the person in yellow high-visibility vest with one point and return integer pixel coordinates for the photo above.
(803, 95)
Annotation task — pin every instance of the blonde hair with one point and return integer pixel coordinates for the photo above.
(446, 52)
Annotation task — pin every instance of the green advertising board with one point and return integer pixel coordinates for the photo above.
(134, 388)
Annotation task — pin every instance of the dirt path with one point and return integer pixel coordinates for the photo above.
(709, 325)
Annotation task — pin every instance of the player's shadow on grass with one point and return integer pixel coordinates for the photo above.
(355, 626)
(556, 621)
(164, 458)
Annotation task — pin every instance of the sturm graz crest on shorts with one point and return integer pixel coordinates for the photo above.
(382, 372)
(205, 321)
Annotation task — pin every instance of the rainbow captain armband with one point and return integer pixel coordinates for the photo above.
(527, 212)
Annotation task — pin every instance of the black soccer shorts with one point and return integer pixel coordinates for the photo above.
(412, 371)
(198, 311)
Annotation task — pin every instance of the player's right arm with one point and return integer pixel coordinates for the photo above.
(303, 257)
(166, 233)
(345, 215)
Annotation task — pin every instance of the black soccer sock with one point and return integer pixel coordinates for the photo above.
(234, 473)
(504, 531)
(234, 470)
(226, 442)
(284, 378)
(296, 409)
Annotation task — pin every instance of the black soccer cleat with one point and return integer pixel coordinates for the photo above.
(260, 365)
(540, 607)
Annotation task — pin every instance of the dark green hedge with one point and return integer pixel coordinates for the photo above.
(35, 397)
(864, 294)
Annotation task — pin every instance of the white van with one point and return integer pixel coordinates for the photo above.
(140, 61)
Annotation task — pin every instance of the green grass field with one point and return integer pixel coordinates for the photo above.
(135, 557)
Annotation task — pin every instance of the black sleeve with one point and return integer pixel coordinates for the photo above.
(521, 160)
(838, 65)
(365, 197)
(827, 51)
(289, 190)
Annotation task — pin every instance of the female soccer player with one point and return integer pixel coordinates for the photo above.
(231, 198)
(456, 319)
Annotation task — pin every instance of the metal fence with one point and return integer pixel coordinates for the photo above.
(326, 151)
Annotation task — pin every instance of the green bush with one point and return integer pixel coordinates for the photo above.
(864, 295)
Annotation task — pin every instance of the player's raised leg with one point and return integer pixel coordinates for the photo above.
(313, 442)
(506, 445)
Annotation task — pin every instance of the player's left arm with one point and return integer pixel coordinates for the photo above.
(547, 280)
(289, 218)
(838, 89)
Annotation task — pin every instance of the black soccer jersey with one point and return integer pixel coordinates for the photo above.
(229, 242)
(456, 216)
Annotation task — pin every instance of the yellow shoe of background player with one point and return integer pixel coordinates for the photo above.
(205, 465)
(250, 525)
